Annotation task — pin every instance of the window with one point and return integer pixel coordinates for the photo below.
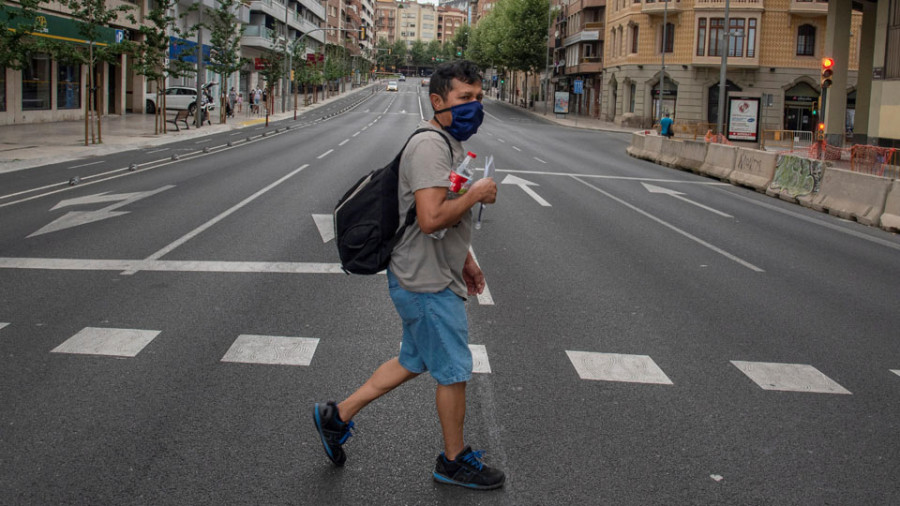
(701, 36)
(667, 39)
(632, 92)
(634, 39)
(806, 40)
(68, 86)
(621, 41)
(892, 51)
(751, 38)
(36, 84)
(588, 50)
(2, 89)
(716, 29)
(736, 39)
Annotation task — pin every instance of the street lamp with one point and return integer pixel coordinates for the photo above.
(720, 124)
(662, 78)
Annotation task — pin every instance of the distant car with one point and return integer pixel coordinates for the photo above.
(401, 78)
(426, 81)
(177, 97)
(392, 86)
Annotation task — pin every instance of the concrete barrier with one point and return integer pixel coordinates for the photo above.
(890, 220)
(851, 195)
(652, 148)
(719, 161)
(637, 144)
(796, 178)
(691, 155)
(668, 154)
(753, 168)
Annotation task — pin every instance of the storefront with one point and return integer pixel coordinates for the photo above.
(801, 104)
(48, 90)
(669, 98)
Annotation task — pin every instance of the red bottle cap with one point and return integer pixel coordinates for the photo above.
(471, 154)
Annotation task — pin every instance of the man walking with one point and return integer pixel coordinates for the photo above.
(665, 126)
(428, 280)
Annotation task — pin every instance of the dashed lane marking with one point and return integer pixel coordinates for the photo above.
(105, 341)
(86, 164)
(357, 133)
(323, 155)
(155, 265)
(517, 149)
(538, 159)
(345, 141)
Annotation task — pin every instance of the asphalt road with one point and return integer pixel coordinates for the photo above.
(743, 350)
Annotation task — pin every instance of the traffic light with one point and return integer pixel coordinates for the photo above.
(827, 72)
(362, 33)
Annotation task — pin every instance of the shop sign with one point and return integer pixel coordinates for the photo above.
(743, 119)
(578, 87)
(186, 50)
(55, 27)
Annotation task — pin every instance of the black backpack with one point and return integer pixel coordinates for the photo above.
(367, 218)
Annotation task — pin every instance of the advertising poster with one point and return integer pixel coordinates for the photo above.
(561, 102)
(743, 119)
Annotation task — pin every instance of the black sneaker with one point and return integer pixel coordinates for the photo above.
(467, 470)
(332, 431)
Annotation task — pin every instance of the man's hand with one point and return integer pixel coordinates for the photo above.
(485, 190)
(473, 276)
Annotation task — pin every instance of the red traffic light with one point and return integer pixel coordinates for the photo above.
(827, 63)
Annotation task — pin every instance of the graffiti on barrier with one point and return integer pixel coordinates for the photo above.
(748, 164)
(797, 176)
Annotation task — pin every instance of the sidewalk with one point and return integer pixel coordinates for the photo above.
(36, 144)
(567, 120)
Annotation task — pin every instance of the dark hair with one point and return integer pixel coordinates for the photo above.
(464, 70)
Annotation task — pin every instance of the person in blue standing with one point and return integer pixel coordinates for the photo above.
(665, 126)
(431, 272)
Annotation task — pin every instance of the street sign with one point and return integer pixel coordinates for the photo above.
(578, 86)
(120, 36)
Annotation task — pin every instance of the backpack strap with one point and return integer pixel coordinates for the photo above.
(411, 214)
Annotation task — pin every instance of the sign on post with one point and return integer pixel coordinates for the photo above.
(743, 119)
(578, 86)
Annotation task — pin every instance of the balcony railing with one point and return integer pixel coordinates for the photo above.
(734, 4)
(659, 7)
(809, 8)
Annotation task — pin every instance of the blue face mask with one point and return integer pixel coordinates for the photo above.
(466, 119)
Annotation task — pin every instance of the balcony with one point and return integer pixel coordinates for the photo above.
(587, 4)
(659, 8)
(588, 65)
(809, 8)
(582, 36)
(733, 62)
(754, 5)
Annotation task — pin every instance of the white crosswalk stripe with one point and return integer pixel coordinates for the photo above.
(480, 363)
(617, 367)
(105, 341)
(272, 350)
(789, 377)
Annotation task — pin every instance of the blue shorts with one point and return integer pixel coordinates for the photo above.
(435, 333)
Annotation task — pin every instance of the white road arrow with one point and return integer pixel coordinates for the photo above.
(75, 218)
(678, 195)
(524, 185)
(325, 224)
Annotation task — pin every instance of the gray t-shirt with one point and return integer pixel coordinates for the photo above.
(421, 263)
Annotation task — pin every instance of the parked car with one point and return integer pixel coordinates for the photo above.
(426, 81)
(177, 98)
(392, 86)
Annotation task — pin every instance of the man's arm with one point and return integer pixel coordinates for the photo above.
(435, 211)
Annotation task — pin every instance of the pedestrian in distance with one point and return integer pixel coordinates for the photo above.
(240, 102)
(665, 126)
(429, 280)
(232, 101)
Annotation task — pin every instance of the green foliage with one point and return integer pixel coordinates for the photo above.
(225, 38)
(399, 52)
(513, 36)
(419, 53)
(17, 44)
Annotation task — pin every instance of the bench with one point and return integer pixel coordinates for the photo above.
(181, 116)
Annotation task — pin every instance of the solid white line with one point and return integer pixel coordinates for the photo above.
(538, 159)
(86, 164)
(491, 115)
(673, 228)
(419, 99)
(236, 133)
(323, 155)
(197, 231)
(484, 298)
(82, 264)
(157, 150)
(201, 141)
(345, 141)
(517, 149)
(689, 201)
(598, 176)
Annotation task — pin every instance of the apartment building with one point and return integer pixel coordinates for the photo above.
(449, 21)
(577, 53)
(48, 90)
(416, 21)
(386, 15)
(774, 52)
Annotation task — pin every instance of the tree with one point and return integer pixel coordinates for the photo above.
(150, 55)
(435, 51)
(95, 18)
(460, 43)
(273, 69)
(419, 54)
(383, 54)
(225, 40)
(17, 40)
(399, 52)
